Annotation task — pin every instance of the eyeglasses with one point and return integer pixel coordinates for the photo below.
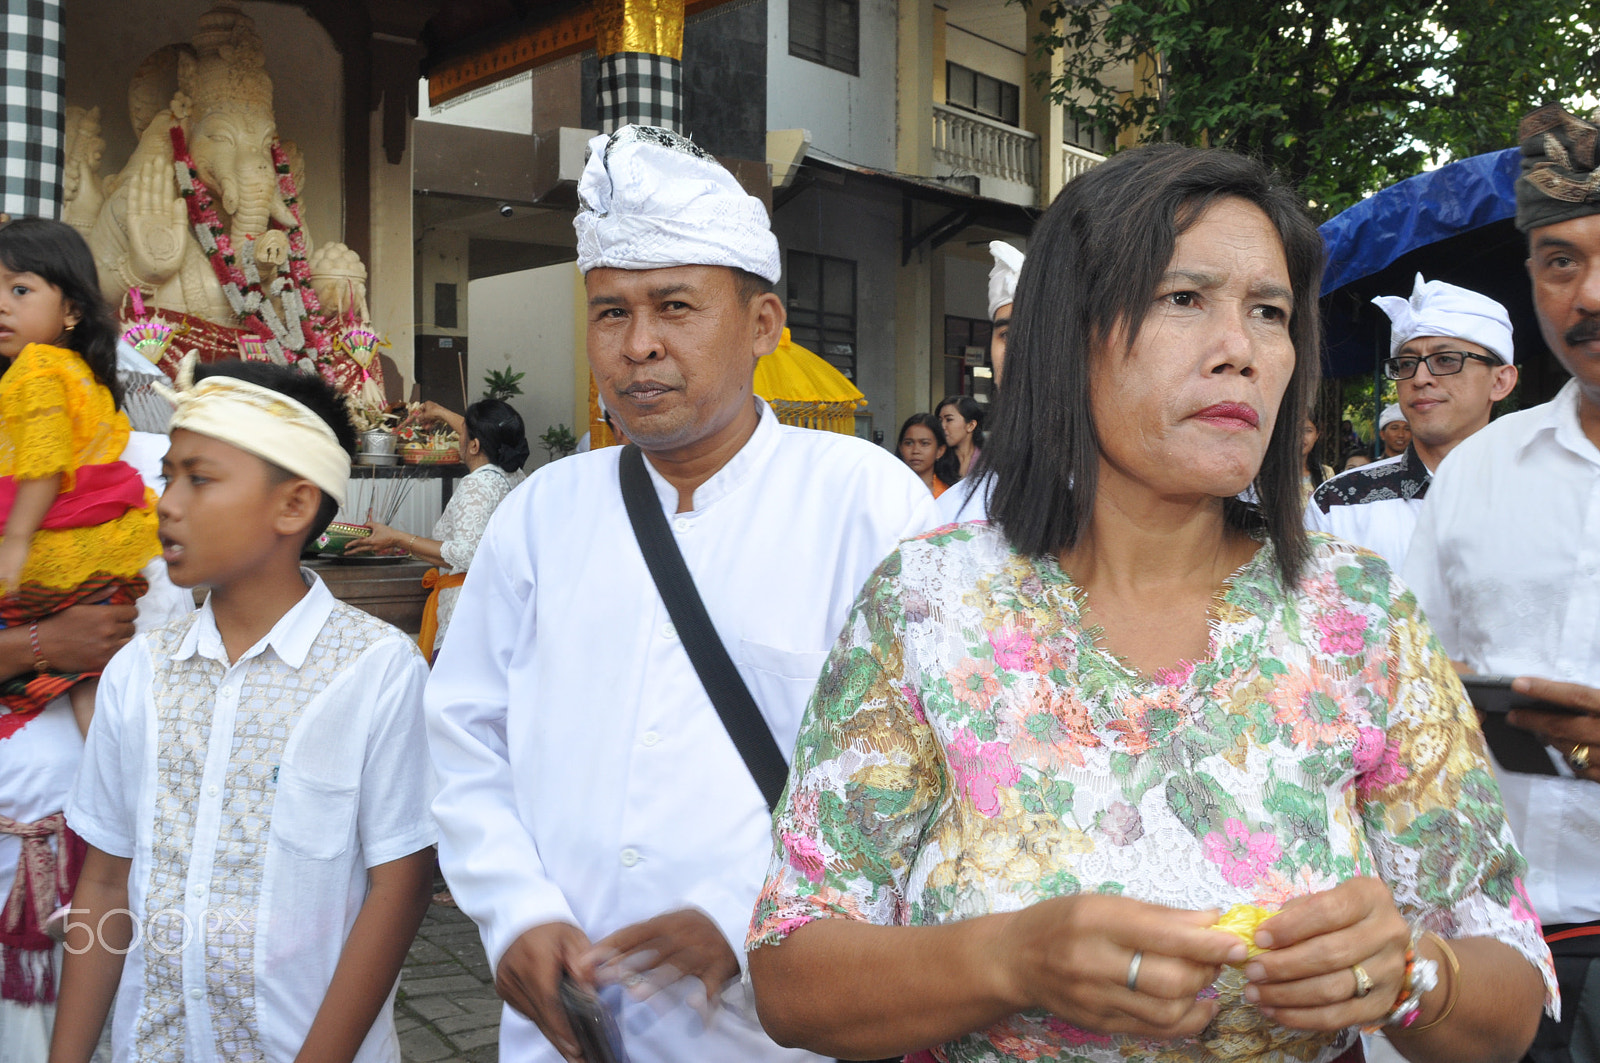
(1439, 363)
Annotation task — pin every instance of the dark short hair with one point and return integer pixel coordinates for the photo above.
(312, 392)
(56, 252)
(749, 286)
(499, 431)
(968, 408)
(1094, 262)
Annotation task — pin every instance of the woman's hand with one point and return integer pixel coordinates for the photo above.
(1073, 956)
(429, 411)
(382, 538)
(1306, 981)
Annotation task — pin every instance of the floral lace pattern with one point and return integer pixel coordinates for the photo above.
(461, 525)
(971, 749)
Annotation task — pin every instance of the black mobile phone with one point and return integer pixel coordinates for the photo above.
(1493, 694)
(1514, 748)
(594, 1027)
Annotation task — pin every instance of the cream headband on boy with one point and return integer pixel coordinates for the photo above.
(260, 421)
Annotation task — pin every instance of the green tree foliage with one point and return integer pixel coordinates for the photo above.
(1342, 96)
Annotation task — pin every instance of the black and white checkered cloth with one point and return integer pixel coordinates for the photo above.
(642, 89)
(34, 109)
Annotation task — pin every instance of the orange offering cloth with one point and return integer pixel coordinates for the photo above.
(433, 581)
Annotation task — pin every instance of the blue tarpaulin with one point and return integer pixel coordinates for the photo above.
(1417, 212)
(1452, 224)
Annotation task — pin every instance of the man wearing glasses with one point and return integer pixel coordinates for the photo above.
(1450, 355)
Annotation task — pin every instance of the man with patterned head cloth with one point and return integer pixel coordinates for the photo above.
(1506, 561)
(1451, 357)
(970, 499)
(597, 820)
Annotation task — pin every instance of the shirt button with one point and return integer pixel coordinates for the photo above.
(211, 791)
(668, 631)
(630, 857)
(680, 525)
(649, 738)
(199, 891)
(195, 994)
(226, 691)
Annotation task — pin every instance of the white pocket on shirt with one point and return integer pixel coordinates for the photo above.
(781, 681)
(313, 819)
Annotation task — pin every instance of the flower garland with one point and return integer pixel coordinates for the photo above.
(295, 328)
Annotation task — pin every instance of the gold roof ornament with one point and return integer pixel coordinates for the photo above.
(654, 27)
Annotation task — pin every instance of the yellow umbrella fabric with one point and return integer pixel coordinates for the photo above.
(804, 390)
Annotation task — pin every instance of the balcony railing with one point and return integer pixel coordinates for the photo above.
(1078, 161)
(971, 144)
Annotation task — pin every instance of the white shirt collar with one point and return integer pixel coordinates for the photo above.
(727, 479)
(1560, 417)
(290, 638)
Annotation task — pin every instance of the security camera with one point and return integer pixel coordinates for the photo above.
(505, 210)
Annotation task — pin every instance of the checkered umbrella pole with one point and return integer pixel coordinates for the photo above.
(34, 109)
(640, 44)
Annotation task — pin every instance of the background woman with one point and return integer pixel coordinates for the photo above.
(962, 420)
(1049, 751)
(494, 447)
(923, 448)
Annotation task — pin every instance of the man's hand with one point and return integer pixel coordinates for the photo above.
(83, 638)
(1562, 732)
(649, 956)
(529, 975)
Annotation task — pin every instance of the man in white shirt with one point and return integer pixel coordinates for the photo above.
(1506, 563)
(1394, 434)
(596, 820)
(1451, 353)
(969, 500)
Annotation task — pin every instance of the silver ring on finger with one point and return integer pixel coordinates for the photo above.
(1133, 970)
(1364, 982)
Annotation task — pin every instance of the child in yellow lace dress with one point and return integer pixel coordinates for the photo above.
(79, 524)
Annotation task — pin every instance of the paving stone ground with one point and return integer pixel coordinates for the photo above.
(446, 1010)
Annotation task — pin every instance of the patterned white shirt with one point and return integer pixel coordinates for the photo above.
(251, 798)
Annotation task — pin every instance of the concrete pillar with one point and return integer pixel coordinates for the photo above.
(914, 88)
(389, 267)
(35, 111)
(913, 339)
(1040, 116)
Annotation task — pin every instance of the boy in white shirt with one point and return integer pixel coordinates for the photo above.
(255, 787)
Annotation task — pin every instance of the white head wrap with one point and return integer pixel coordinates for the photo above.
(650, 198)
(1391, 414)
(263, 422)
(1439, 309)
(1003, 275)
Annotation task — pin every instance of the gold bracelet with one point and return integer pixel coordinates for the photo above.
(1455, 983)
(412, 549)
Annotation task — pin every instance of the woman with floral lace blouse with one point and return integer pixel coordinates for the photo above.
(1050, 753)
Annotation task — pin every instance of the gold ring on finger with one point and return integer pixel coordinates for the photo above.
(1364, 981)
(1579, 758)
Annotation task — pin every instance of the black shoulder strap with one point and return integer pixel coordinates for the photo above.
(723, 684)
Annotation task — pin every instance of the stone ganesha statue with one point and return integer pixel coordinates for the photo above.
(204, 217)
